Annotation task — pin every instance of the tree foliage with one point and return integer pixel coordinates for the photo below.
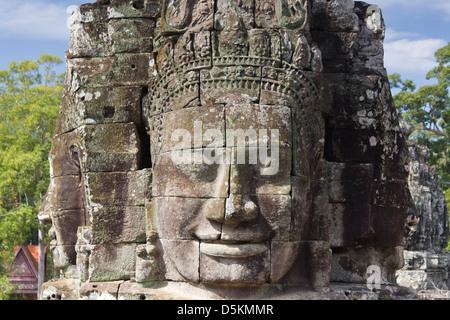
(30, 95)
(428, 110)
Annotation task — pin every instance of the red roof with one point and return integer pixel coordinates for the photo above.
(33, 253)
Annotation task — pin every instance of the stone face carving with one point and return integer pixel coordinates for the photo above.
(226, 149)
(426, 261)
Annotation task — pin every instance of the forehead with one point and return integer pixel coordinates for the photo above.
(216, 125)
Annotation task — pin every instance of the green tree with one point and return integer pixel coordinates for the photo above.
(30, 95)
(428, 110)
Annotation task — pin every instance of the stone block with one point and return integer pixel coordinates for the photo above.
(65, 193)
(350, 224)
(131, 69)
(236, 264)
(337, 50)
(132, 45)
(147, 268)
(393, 194)
(348, 172)
(136, 28)
(90, 12)
(111, 225)
(274, 15)
(245, 9)
(185, 174)
(108, 105)
(194, 128)
(308, 144)
(112, 262)
(65, 225)
(225, 83)
(283, 256)
(89, 39)
(319, 263)
(88, 73)
(310, 209)
(257, 124)
(118, 188)
(350, 52)
(334, 16)
(122, 69)
(389, 226)
(351, 192)
(179, 260)
(102, 153)
(99, 290)
(119, 9)
(99, 106)
(359, 100)
(356, 264)
(64, 256)
(261, 170)
(66, 289)
(65, 157)
(361, 146)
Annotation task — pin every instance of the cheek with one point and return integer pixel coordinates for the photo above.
(186, 218)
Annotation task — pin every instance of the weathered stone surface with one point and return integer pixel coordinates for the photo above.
(197, 127)
(99, 290)
(112, 262)
(66, 223)
(66, 193)
(310, 210)
(281, 254)
(133, 9)
(308, 144)
(272, 221)
(190, 176)
(89, 39)
(66, 289)
(117, 188)
(334, 16)
(352, 264)
(147, 267)
(99, 106)
(426, 261)
(228, 149)
(260, 171)
(65, 155)
(118, 225)
(258, 122)
(189, 218)
(179, 260)
(234, 264)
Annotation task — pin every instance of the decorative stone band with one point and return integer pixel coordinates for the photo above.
(262, 80)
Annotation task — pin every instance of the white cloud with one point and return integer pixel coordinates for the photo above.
(411, 56)
(33, 20)
(436, 5)
(392, 35)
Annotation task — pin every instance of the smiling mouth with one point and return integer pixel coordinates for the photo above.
(233, 251)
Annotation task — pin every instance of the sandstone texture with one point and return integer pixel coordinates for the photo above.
(223, 149)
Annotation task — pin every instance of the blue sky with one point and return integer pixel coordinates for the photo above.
(415, 30)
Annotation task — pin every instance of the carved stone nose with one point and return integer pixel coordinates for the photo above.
(239, 208)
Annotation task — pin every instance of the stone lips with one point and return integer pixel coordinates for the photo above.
(232, 251)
